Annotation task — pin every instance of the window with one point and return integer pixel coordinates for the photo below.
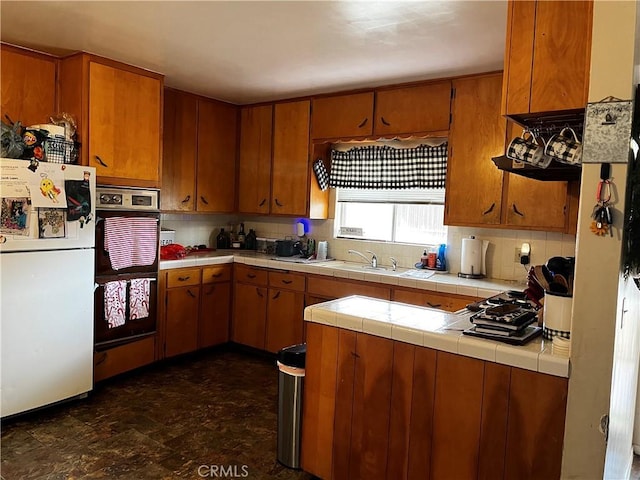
(403, 216)
(391, 192)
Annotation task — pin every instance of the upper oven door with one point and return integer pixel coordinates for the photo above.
(103, 261)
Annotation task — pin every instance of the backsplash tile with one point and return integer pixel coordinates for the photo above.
(203, 229)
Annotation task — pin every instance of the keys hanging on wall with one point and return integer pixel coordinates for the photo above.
(602, 213)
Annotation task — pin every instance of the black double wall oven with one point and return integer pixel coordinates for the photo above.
(127, 205)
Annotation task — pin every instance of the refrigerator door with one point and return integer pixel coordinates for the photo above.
(46, 325)
(36, 203)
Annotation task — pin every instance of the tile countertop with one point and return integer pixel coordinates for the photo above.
(435, 329)
(413, 278)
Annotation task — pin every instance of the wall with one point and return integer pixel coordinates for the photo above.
(198, 229)
(596, 290)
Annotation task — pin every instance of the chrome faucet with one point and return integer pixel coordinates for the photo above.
(394, 263)
(374, 258)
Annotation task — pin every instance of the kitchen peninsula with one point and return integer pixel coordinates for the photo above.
(412, 397)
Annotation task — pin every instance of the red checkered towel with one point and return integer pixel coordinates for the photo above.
(131, 241)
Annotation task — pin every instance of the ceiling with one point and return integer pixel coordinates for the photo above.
(251, 51)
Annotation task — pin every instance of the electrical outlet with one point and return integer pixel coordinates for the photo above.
(516, 259)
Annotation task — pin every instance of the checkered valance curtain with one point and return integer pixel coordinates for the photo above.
(383, 167)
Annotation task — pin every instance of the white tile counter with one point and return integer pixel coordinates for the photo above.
(421, 279)
(435, 329)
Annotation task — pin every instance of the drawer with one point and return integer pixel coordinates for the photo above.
(124, 358)
(251, 275)
(327, 287)
(217, 273)
(291, 281)
(183, 277)
(425, 298)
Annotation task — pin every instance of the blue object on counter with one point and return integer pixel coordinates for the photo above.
(441, 261)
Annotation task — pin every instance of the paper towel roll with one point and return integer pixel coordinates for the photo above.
(471, 262)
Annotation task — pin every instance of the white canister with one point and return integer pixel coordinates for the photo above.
(557, 315)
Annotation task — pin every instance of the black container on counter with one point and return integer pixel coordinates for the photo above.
(223, 240)
(250, 241)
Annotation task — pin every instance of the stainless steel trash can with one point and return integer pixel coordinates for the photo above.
(290, 363)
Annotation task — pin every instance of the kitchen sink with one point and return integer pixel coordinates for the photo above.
(423, 274)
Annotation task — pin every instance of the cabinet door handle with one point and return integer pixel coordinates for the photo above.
(384, 121)
(204, 200)
(191, 294)
(260, 294)
(264, 200)
(275, 296)
(434, 305)
(490, 209)
(251, 275)
(184, 279)
(102, 359)
(101, 162)
(216, 275)
(516, 211)
(186, 199)
(355, 355)
(210, 290)
(363, 122)
(278, 203)
(287, 282)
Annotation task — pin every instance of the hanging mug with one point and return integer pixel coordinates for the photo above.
(565, 147)
(528, 149)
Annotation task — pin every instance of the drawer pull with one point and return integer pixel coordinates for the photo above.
(101, 162)
(102, 359)
(186, 199)
(216, 275)
(264, 200)
(184, 279)
(275, 296)
(363, 123)
(251, 275)
(287, 282)
(191, 294)
(260, 294)
(434, 305)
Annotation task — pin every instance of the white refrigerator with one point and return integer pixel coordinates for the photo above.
(47, 239)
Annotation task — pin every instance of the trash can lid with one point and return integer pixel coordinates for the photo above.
(293, 356)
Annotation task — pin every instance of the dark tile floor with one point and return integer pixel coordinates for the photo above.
(217, 409)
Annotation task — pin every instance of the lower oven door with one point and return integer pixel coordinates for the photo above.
(123, 311)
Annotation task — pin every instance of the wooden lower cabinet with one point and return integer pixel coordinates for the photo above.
(215, 306)
(250, 315)
(123, 358)
(182, 320)
(378, 408)
(284, 319)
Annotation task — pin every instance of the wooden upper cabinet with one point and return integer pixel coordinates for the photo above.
(290, 167)
(28, 80)
(118, 110)
(216, 166)
(179, 151)
(254, 185)
(547, 56)
(124, 124)
(474, 184)
(343, 116)
(534, 204)
(423, 108)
